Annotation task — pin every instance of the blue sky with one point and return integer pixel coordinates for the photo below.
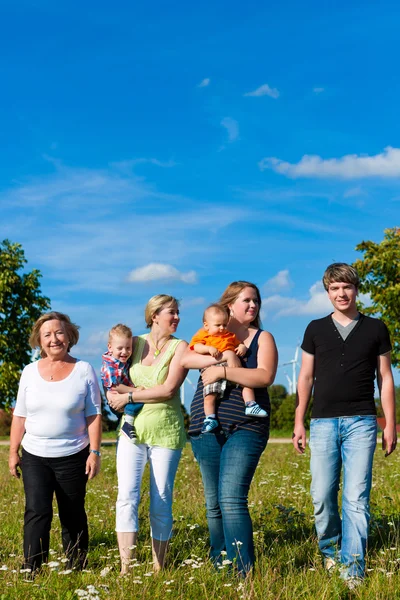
(180, 136)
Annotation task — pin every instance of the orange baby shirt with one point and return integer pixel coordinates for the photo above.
(226, 341)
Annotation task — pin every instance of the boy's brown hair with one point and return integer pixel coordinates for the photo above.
(218, 308)
(340, 272)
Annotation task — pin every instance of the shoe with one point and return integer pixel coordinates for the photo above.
(329, 564)
(209, 425)
(254, 410)
(353, 582)
(129, 431)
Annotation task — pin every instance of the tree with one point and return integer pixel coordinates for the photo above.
(21, 303)
(379, 271)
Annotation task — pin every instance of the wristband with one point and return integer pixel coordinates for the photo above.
(130, 398)
(96, 452)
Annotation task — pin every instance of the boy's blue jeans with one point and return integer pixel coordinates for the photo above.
(227, 464)
(348, 443)
(133, 409)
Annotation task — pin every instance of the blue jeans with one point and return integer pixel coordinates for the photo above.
(227, 464)
(347, 442)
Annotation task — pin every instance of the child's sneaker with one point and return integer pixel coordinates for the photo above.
(209, 425)
(254, 410)
(129, 431)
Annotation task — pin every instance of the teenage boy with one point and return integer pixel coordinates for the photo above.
(342, 353)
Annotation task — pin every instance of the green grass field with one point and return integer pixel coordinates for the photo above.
(288, 563)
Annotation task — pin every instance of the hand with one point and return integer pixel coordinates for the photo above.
(215, 352)
(299, 438)
(389, 439)
(241, 350)
(117, 401)
(212, 374)
(92, 465)
(14, 464)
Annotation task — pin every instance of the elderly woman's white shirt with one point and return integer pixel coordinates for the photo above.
(56, 411)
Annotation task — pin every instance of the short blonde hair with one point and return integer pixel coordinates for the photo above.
(216, 308)
(120, 329)
(340, 272)
(71, 330)
(232, 292)
(156, 305)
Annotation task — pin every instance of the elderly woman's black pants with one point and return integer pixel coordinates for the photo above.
(65, 477)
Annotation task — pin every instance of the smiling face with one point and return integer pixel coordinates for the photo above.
(167, 319)
(216, 322)
(343, 296)
(246, 306)
(120, 347)
(54, 340)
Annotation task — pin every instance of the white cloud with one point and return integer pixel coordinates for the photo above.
(125, 165)
(318, 90)
(264, 90)
(160, 271)
(205, 83)
(354, 192)
(351, 166)
(232, 127)
(281, 281)
(317, 304)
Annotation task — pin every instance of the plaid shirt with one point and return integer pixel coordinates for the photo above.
(114, 372)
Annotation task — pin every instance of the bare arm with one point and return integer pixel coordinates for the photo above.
(207, 350)
(387, 395)
(16, 435)
(262, 376)
(304, 388)
(193, 360)
(94, 431)
(158, 393)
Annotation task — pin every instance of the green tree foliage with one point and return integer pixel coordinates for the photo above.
(379, 271)
(283, 407)
(21, 303)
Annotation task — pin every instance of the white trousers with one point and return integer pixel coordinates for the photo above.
(131, 461)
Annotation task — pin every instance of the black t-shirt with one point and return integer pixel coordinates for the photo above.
(344, 370)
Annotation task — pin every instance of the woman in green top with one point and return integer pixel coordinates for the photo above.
(159, 429)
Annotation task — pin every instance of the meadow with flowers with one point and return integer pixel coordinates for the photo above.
(288, 562)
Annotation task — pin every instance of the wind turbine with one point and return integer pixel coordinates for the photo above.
(187, 380)
(294, 363)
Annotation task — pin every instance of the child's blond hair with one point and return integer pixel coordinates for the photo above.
(120, 329)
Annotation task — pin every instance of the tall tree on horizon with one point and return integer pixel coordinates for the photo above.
(379, 271)
(21, 303)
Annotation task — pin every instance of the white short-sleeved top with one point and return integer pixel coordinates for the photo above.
(56, 411)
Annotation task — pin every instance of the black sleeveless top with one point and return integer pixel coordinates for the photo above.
(230, 408)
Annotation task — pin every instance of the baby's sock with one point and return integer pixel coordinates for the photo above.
(129, 419)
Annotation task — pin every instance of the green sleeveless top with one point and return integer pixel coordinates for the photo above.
(158, 424)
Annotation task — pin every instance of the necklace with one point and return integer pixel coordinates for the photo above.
(156, 349)
(58, 368)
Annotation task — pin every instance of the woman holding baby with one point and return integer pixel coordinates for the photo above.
(228, 455)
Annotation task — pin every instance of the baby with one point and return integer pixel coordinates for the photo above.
(115, 373)
(215, 340)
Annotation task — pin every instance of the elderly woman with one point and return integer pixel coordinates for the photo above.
(228, 456)
(57, 420)
(156, 368)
